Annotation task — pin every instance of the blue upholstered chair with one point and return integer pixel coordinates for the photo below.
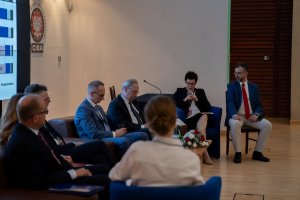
(211, 190)
(212, 130)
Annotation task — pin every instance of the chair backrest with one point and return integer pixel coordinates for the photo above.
(211, 190)
(65, 126)
(112, 91)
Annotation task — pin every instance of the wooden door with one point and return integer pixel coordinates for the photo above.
(260, 35)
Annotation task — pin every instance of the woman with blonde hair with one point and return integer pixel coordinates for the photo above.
(162, 161)
(9, 119)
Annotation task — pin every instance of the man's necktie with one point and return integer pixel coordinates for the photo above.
(136, 114)
(246, 104)
(103, 118)
(42, 138)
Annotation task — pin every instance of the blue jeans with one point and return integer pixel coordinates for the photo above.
(126, 140)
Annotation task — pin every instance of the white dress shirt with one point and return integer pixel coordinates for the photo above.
(160, 162)
(133, 118)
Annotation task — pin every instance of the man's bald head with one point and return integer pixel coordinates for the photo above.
(28, 106)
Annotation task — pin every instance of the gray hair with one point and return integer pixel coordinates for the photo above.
(129, 83)
(94, 84)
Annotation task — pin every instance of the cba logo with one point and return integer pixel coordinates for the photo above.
(37, 29)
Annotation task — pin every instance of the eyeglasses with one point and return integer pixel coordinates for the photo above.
(43, 112)
(100, 95)
(238, 73)
(190, 83)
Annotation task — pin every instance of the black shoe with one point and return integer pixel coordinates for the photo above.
(259, 156)
(237, 157)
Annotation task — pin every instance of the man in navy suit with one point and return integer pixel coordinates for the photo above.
(32, 163)
(91, 121)
(244, 108)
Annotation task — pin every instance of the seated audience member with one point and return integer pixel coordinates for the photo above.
(122, 111)
(162, 161)
(249, 112)
(193, 102)
(9, 119)
(91, 121)
(32, 163)
(95, 152)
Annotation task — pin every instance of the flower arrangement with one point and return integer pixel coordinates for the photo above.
(193, 139)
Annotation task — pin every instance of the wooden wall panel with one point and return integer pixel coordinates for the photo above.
(263, 28)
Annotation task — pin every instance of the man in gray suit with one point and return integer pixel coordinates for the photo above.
(91, 121)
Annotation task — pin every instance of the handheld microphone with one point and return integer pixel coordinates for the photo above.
(153, 86)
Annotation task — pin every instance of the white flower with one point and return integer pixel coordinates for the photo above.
(189, 143)
(194, 145)
(191, 136)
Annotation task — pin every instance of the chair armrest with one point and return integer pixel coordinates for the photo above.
(214, 120)
(180, 114)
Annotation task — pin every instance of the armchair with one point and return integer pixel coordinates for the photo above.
(212, 130)
(211, 190)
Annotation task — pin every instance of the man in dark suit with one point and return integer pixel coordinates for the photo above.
(32, 163)
(94, 152)
(244, 108)
(123, 111)
(91, 121)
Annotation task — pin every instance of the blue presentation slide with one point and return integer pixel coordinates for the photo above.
(8, 49)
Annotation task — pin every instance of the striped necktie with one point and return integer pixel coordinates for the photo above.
(42, 138)
(136, 114)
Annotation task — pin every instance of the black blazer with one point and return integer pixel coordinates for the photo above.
(203, 103)
(119, 115)
(50, 133)
(30, 163)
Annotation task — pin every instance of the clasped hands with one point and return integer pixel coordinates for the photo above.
(252, 118)
(191, 97)
(79, 172)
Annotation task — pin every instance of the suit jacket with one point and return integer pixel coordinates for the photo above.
(234, 99)
(203, 103)
(118, 114)
(50, 133)
(89, 124)
(30, 163)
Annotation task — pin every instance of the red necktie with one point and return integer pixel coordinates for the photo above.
(246, 104)
(41, 137)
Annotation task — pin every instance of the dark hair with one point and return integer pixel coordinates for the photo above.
(191, 76)
(9, 119)
(242, 65)
(35, 88)
(94, 84)
(28, 106)
(160, 113)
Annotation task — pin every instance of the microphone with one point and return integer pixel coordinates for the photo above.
(153, 86)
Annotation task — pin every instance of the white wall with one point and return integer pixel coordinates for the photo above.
(113, 40)
(45, 68)
(157, 40)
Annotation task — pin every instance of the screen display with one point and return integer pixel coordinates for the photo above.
(8, 48)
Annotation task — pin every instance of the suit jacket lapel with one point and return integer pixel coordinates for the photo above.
(93, 110)
(124, 107)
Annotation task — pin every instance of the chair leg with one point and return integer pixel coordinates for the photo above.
(247, 144)
(227, 141)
